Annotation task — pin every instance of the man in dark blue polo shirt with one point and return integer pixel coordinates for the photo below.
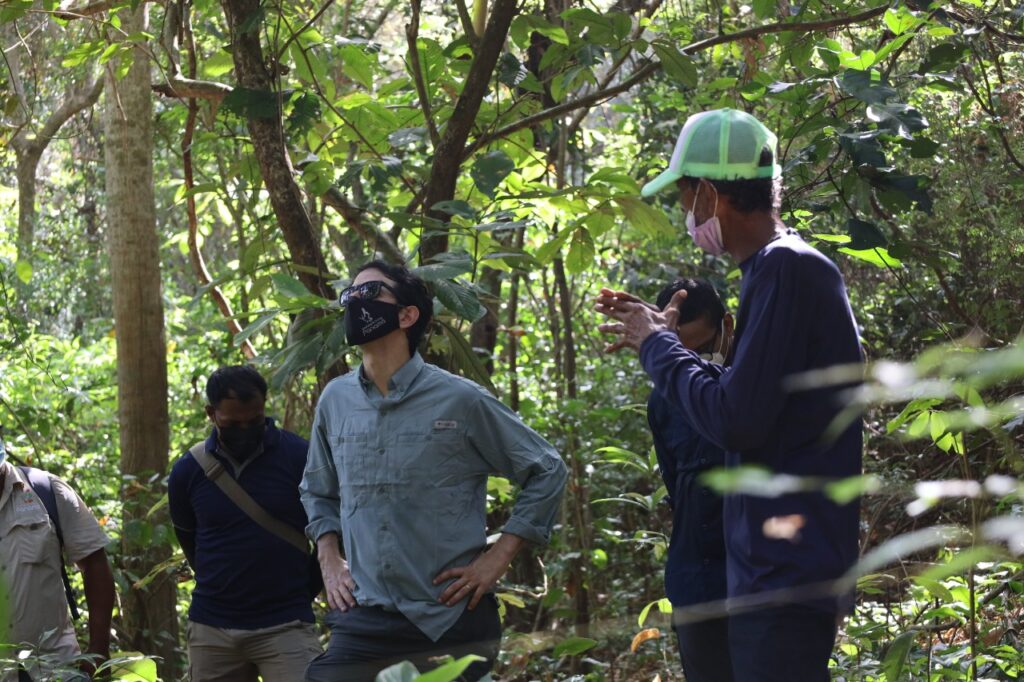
(251, 611)
(695, 566)
(785, 553)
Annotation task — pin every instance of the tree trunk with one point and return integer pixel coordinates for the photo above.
(148, 613)
(447, 163)
(268, 142)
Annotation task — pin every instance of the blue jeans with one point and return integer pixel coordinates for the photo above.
(367, 639)
(782, 644)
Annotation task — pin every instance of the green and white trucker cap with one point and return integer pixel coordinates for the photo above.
(723, 144)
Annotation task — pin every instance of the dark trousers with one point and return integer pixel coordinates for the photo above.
(367, 639)
(704, 650)
(782, 644)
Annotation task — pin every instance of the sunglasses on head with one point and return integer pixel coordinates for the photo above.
(366, 290)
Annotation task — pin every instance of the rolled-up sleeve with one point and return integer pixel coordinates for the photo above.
(319, 486)
(518, 452)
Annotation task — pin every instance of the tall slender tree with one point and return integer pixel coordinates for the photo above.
(148, 612)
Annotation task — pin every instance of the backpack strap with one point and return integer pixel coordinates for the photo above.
(214, 471)
(42, 486)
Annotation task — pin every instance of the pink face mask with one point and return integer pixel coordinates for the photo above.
(707, 235)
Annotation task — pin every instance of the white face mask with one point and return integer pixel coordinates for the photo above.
(717, 356)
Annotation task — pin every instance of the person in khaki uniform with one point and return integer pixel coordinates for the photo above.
(251, 613)
(37, 617)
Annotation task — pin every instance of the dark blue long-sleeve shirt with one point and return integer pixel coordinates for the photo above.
(695, 565)
(794, 316)
(246, 577)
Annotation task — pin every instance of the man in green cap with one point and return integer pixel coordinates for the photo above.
(785, 553)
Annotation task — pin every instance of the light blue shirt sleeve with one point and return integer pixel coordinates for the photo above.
(319, 487)
(518, 452)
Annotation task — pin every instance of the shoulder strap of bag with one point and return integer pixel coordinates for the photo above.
(43, 487)
(229, 486)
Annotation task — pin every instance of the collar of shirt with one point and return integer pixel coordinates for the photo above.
(399, 382)
(12, 477)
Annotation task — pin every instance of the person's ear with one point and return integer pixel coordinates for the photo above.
(728, 328)
(210, 410)
(408, 316)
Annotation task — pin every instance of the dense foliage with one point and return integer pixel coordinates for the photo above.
(506, 162)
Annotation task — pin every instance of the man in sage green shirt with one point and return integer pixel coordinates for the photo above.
(397, 468)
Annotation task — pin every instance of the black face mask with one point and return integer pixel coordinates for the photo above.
(241, 441)
(367, 321)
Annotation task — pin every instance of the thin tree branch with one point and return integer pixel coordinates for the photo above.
(195, 255)
(186, 88)
(371, 234)
(647, 70)
(467, 24)
(312, 20)
(90, 10)
(412, 31)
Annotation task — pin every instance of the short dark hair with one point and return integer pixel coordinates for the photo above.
(746, 196)
(241, 382)
(702, 301)
(410, 289)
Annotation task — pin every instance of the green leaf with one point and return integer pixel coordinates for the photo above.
(455, 207)
(459, 299)
(490, 169)
(900, 20)
(132, 666)
(878, 257)
(573, 646)
(864, 235)
(677, 66)
(581, 251)
(289, 286)
(23, 270)
(649, 220)
(848, 489)
(466, 358)
(358, 66)
(599, 558)
(510, 70)
(896, 658)
(450, 670)
(250, 103)
(218, 64)
(866, 86)
(901, 119)
(449, 269)
(254, 327)
(547, 253)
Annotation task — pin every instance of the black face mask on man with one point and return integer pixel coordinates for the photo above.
(368, 320)
(242, 442)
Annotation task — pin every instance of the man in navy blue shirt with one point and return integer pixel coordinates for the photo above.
(251, 611)
(695, 567)
(784, 554)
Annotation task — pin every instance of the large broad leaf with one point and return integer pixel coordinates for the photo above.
(581, 251)
(490, 169)
(466, 358)
(448, 269)
(864, 148)
(250, 103)
(132, 666)
(573, 646)
(459, 299)
(896, 657)
(903, 192)
(511, 71)
(450, 670)
(864, 235)
(649, 220)
(866, 86)
(677, 65)
(878, 257)
(901, 119)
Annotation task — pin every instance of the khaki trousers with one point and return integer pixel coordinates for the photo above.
(275, 654)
